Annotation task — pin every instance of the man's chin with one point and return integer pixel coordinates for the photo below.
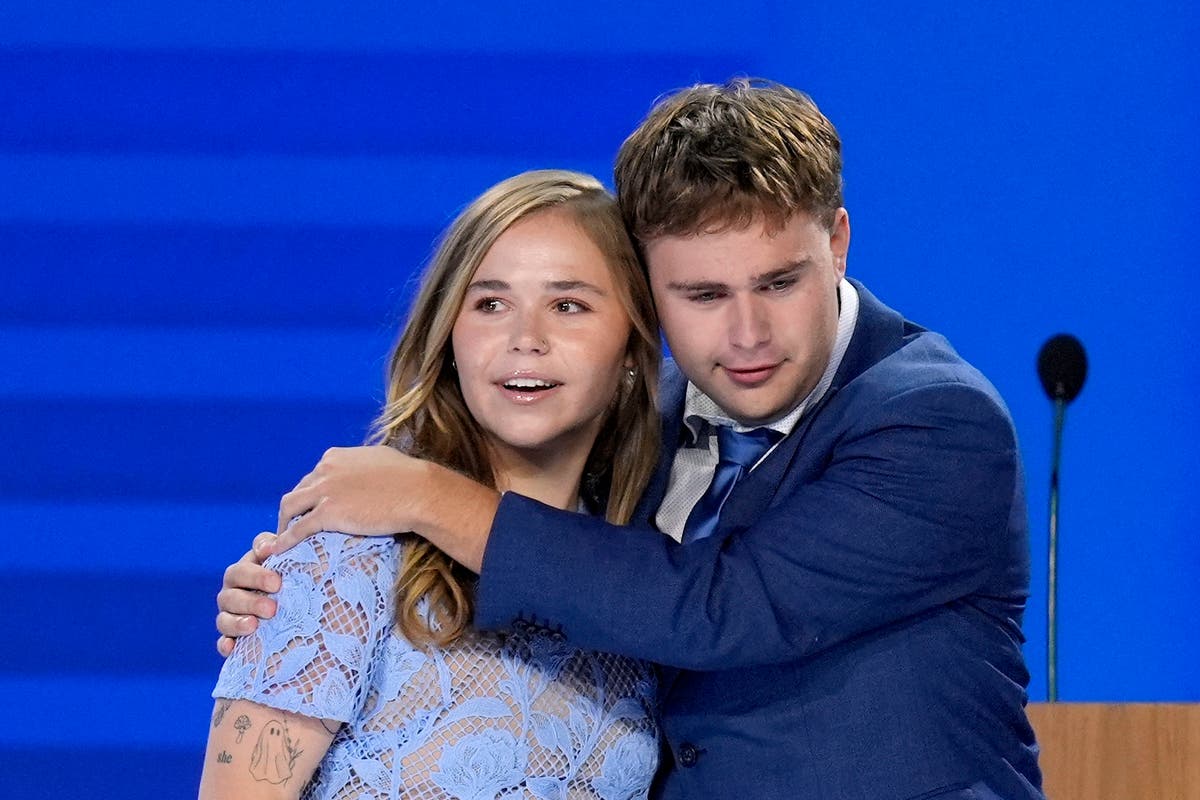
(752, 412)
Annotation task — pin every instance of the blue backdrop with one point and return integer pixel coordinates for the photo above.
(211, 214)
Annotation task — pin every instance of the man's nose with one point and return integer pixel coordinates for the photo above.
(749, 324)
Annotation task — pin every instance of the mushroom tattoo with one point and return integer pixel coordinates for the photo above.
(242, 724)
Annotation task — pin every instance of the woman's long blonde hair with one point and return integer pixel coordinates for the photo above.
(424, 413)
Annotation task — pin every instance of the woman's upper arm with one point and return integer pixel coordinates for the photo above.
(255, 751)
(314, 656)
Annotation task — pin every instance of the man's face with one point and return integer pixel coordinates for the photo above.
(751, 317)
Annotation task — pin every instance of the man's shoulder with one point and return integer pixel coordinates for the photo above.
(927, 360)
(924, 384)
(894, 356)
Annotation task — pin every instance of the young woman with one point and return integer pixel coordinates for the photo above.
(529, 362)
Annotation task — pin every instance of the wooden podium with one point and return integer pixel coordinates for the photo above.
(1119, 751)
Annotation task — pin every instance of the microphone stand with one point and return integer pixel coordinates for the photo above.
(1060, 408)
(1062, 369)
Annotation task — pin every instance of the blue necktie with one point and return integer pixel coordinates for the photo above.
(736, 454)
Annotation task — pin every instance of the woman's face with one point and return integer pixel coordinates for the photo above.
(540, 341)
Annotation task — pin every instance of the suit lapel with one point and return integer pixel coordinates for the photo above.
(672, 388)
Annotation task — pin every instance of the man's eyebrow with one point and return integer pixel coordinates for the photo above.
(698, 286)
(783, 272)
(757, 280)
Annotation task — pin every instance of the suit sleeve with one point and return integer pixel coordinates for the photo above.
(910, 512)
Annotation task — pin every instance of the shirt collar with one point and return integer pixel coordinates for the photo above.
(700, 410)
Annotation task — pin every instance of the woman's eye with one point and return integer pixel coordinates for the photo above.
(488, 304)
(569, 306)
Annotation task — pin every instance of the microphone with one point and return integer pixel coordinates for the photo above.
(1062, 368)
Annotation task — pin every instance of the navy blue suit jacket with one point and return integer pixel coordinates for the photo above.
(852, 630)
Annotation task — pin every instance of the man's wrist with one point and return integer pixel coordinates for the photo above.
(455, 513)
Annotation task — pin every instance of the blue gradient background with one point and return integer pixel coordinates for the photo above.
(211, 215)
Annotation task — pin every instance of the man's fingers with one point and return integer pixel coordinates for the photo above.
(225, 646)
(308, 479)
(243, 602)
(300, 500)
(260, 548)
(235, 625)
(295, 533)
(248, 574)
(306, 494)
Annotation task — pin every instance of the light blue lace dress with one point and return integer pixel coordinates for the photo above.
(519, 716)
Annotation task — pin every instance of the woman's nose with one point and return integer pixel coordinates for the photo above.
(528, 335)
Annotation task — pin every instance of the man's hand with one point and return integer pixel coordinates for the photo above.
(377, 491)
(365, 491)
(242, 600)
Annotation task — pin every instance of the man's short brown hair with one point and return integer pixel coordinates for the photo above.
(713, 157)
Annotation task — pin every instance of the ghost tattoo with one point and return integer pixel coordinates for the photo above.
(274, 754)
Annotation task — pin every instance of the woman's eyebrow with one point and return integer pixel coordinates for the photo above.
(571, 285)
(489, 285)
(574, 286)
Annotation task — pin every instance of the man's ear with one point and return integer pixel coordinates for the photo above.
(839, 239)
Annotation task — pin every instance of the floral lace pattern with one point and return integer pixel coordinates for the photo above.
(520, 716)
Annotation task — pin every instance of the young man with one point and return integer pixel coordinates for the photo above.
(839, 594)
